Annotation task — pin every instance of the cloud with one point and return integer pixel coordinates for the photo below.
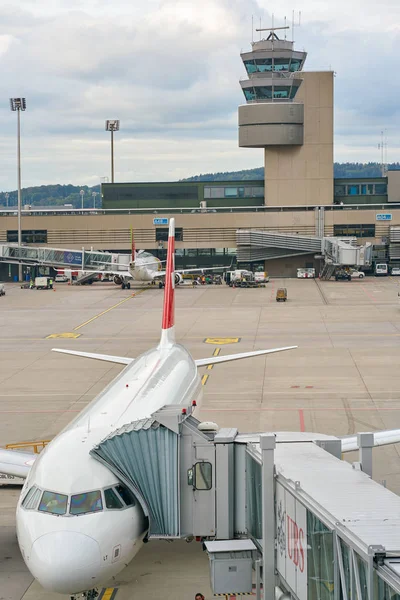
(169, 71)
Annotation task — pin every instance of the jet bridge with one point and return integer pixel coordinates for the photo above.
(55, 257)
(278, 512)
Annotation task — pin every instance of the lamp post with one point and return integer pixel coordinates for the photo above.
(112, 125)
(17, 105)
(82, 193)
(7, 195)
(94, 194)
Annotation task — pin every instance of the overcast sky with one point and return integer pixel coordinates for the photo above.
(169, 71)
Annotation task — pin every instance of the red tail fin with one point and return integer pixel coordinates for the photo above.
(168, 320)
(133, 246)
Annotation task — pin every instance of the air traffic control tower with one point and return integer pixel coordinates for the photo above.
(289, 113)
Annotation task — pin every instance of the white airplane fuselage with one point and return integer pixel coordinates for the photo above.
(70, 553)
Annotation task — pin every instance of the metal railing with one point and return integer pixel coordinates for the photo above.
(37, 446)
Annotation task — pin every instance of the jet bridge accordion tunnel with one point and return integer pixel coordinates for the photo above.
(170, 466)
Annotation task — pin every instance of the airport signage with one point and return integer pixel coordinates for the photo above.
(384, 216)
(291, 533)
(160, 221)
(72, 258)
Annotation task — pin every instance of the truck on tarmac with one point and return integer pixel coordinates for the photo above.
(42, 283)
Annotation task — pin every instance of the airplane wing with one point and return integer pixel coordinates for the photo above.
(199, 270)
(122, 360)
(213, 360)
(16, 463)
(381, 438)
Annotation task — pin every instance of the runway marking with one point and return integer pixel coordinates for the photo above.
(108, 309)
(67, 335)
(301, 417)
(215, 353)
(222, 341)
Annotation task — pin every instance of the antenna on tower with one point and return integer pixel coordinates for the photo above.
(383, 148)
(295, 24)
(285, 27)
(252, 29)
(260, 29)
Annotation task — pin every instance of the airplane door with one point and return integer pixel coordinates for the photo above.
(203, 490)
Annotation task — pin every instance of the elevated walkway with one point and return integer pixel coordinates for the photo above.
(282, 504)
(54, 257)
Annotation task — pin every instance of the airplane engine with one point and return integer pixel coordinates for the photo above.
(178, 278)
(117, 280)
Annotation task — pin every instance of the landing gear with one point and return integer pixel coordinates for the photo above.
(160, 285)
(89, 595)
(128, 286)
(123, 285)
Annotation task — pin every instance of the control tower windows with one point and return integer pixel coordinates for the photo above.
(264, 65)
(263, 93)
(281, 92)
(250, 66)
(249, 94)
(295, 65)
(281, 64)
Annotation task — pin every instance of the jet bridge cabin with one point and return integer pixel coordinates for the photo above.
(310, 525)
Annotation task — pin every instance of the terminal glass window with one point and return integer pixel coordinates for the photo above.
(353, 190)
(253, 498)
(29, 236)
(380, 189)
(320, 560)
(363, 577)
(88, 502)
(56, 504)
(361, 231)
(340, 190)
(346, 568)
(382, 590)
(231, 192)
(162, 234)
(293, 90)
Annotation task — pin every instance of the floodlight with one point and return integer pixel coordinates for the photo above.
(17, 104)
(112, 125)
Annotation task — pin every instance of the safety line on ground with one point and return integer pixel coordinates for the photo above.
(108, 309)
(205, 377)
(108, 593)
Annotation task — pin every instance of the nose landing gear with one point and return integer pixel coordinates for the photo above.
(89, 595)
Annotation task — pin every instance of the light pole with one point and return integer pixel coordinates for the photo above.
(82, 193)
(17, 105)
(7, 195)
(94, 194)
(112, 125)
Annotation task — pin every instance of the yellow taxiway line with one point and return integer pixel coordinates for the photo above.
(108, 310)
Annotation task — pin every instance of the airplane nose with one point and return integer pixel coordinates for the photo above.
(65, 562)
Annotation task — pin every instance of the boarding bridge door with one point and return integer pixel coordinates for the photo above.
(203, 489)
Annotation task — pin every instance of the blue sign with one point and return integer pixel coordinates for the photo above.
(160, 221)
(73, 258)
(384, 216)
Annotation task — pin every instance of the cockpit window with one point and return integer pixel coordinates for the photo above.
(125, 494)
(56, 504)
(32, 498)
(112, 500)
(87, 502)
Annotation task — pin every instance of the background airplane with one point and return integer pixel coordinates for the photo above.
(78, 526)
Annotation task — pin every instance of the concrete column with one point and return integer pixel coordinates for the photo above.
(267, 445)
(365, 444)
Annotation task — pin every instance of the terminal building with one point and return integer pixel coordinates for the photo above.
(288, 114)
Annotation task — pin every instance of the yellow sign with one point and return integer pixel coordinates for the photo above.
(68, 335)
(221, 341)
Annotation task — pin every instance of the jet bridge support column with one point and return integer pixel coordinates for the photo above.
(267, 446)
(365, 444)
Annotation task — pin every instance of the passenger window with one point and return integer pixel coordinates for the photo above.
(125, 494)
(203, 476)
(31, 499)
(112, 500)
(88, 502)
(56, 504)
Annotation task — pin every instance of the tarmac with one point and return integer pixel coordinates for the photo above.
(344, 377)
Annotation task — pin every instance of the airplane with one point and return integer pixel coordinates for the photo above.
(145, 268)
(78, 526)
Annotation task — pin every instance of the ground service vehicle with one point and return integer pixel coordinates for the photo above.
(342, 275)
(61, 278)
(395, 271)
(42, 283)
(261, 276)
(381, 269)
(308, 273)
(356, 274)
(2, 289)
(281, 295)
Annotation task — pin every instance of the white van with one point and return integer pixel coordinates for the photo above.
(381, 269)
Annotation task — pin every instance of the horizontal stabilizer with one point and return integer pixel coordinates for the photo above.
(15, 463)
(122, 360)
(381, 438)
(213, 360)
